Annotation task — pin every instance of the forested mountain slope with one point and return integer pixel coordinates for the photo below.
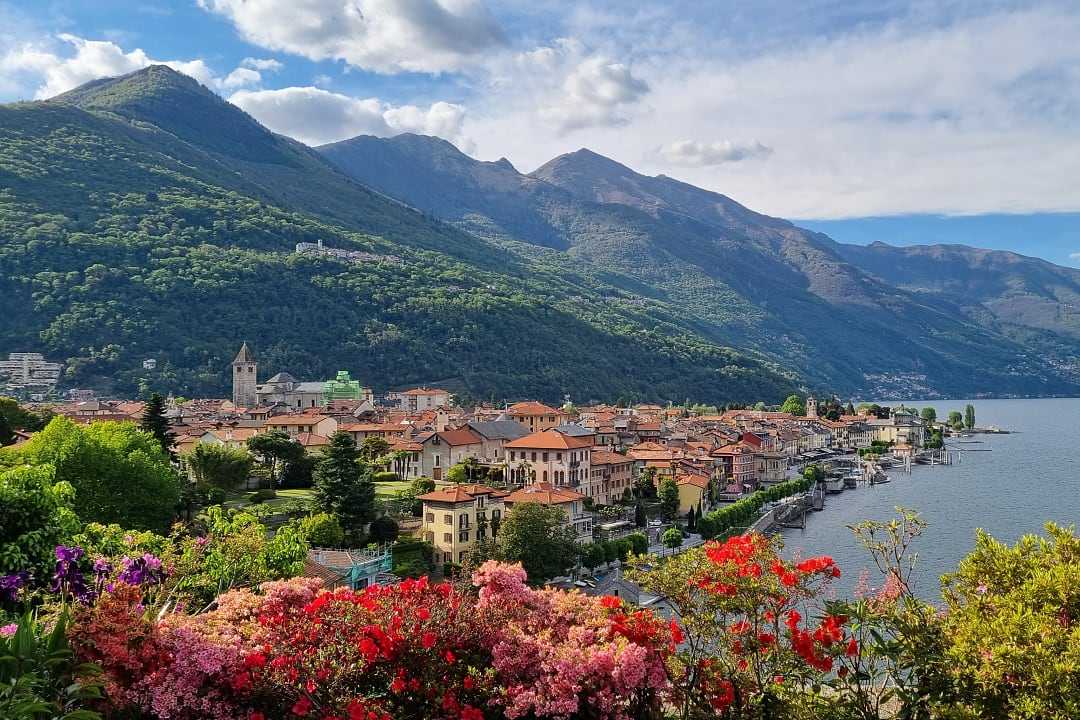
(144, 217)
(753, 281)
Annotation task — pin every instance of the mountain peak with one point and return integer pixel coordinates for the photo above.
(582, 163)
(179, 104)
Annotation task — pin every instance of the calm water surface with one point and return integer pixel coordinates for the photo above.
(1026, 479)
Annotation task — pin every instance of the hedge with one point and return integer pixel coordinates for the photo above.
(744, 512)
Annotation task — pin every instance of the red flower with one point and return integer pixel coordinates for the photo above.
(398, 685)
(302, 706)
(423, 613)
(470, 713)
(611, 602)
(676, 632)
(852, 648)
(256, 716)
(427, 640)
(255, 660)
(468, 682)
(449, 657)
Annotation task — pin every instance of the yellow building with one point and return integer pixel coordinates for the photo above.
(456, 517)
(536, 415)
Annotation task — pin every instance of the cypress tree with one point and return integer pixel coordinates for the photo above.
(639, 515)
(155, 423)
(343, 485)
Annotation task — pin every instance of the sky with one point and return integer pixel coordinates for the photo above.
(902, 121)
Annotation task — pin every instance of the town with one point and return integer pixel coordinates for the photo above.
(448, 475)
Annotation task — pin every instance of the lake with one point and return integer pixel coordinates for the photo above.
(1026, 479)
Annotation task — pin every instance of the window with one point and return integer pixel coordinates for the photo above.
(495, 515)
(448, 537)
(448, 519)
(480, 501)
(463, 536)
(447, 557)
(545, 476)
(437, 458)
(534, 457)
(430, 517)
(463, 520)
(545, 457)
(558, 456)
(512, 456)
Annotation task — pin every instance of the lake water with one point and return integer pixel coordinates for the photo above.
(1026, 479)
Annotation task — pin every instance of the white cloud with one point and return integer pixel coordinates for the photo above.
(961, 115)
(387, 36)
(51, 72)
(1074, 256)
(316, 116)
(265, 64)
(570, 86)
(694, 153)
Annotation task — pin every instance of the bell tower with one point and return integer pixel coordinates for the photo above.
(811, 407)
(244, 373)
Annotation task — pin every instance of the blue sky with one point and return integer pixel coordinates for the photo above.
(895, 120)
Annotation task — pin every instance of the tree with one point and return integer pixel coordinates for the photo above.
(120, 474)
(155, 423)
(640, 519)
(645, 484)
(275, 449)
(407, 496)
(373, 449)
(322, 530)
(929, 415)
(969, 416)
(343, 485)
(538, 537)
(298, 472)
(850, 409)
(956, 420)
(219, 466)
(7, 434)
(813, 473)
(669, 498)
(383, 530)
(36, 515)
(793, 405)
(592, 555)
(672, 538)
(19, 418)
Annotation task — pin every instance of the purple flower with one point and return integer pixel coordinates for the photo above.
(9, 630)
(10, 585)
(68, 577)
(145, 570)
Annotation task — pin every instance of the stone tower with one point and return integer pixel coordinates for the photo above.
(244, 373)
(811, 407)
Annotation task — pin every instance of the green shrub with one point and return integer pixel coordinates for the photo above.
(216, 496)
(383, 529)
(323, 530)
(261, 496)
(386, 476)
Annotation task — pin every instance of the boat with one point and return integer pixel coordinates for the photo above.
(834, 485)
(851, 480)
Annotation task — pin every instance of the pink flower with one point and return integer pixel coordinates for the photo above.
(9, 630)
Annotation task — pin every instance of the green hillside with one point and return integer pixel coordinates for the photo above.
(144, 217)
(752, 281)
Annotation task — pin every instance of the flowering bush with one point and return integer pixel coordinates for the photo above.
(744, 644)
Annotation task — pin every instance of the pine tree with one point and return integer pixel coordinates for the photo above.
(343, 485)
(155, 423)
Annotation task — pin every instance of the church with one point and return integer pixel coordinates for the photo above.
(283, 389)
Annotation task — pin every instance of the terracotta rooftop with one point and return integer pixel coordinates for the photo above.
(606, 457)
(544, 494)
(296, 419)
(425, 391)
(531, 407)
(548, 440)
(460, 493)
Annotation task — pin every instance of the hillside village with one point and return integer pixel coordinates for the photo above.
(590, 461)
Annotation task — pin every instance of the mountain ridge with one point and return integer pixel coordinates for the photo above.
(131, 231)
(705, 251)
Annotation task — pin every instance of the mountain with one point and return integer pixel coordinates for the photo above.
(145, 217)
(752, 281)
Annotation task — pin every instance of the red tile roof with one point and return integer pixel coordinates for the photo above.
(531, 407)
(544, 494)
(548, 440)
(296, 420)
(606, 457)
(425, 391)
(460, 493)
(462, 436)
